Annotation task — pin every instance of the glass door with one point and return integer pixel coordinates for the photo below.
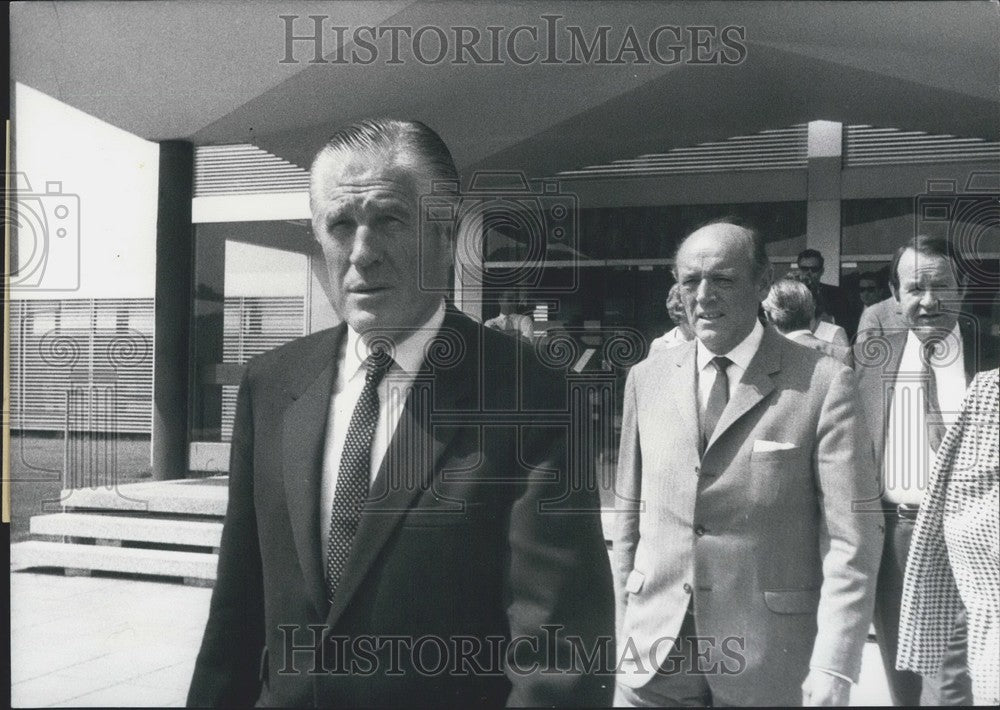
(253, 288)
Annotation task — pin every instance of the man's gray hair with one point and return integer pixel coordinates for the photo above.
(674, 297)
(789, 305)
(408, 144)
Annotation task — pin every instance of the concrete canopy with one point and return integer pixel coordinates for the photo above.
(212, 73)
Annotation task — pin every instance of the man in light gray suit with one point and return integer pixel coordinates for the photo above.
(912, 380)
(878, 319)
(742, 455)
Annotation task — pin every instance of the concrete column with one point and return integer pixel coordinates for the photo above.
(173, 294)
(319, 311)
(825, 157)
(207, 334)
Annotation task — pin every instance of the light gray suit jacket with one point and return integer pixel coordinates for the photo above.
(759, 529)
(880, 318)
(877, 358)
(829, 349)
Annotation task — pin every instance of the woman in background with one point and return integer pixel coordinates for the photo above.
(681, 332)
(510, 321)
(954, 556)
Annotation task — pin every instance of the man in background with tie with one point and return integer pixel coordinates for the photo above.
(406, 524)
(912, 380)
(742, 455)
(832, 303)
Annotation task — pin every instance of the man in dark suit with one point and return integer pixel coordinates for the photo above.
(912, 380)
(831, 301)
(742, 455)
(404, 526)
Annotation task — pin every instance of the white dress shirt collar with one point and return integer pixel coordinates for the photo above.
(952, 342)
(741, 355)
(408, 354)
(793, 334)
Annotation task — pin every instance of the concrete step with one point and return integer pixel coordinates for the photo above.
(166, 563)
(114, 527)
(189, 497)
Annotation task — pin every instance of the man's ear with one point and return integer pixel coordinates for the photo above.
(894, 290)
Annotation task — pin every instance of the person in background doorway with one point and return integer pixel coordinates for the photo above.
(789, 308)
(681, 332)
(832, 304)
(881, 313)
(870, 290)
(510, 321)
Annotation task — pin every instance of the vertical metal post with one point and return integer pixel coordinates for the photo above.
(65, 471)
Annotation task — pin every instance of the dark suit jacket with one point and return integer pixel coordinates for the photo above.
(833, 300)
(473, 529)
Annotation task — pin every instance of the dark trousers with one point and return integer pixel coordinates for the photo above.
(952, 685)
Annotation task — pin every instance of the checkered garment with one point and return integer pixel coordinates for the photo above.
(955, 551)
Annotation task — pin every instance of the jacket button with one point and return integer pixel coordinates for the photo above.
(687, 588)
(699, 530)
(697, 469)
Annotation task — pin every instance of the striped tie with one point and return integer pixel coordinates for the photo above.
(718, 397)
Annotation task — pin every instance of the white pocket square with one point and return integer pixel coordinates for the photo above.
(761, 445)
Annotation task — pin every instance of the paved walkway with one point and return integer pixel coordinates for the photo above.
(98, 641)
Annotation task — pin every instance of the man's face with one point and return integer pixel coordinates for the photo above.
(869, 292)
(720, 292)
(365, 217)
(811, 270)
(924, 281)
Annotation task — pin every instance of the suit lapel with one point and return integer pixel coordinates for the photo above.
(414, 454)
(970, 348)
(754, 386)
(887, 382)
(681, 388)
(303, 442)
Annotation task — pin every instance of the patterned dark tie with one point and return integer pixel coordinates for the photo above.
(354, 473)
(932, 409)
(718, 397)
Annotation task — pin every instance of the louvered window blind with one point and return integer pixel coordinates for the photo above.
(93, 358)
